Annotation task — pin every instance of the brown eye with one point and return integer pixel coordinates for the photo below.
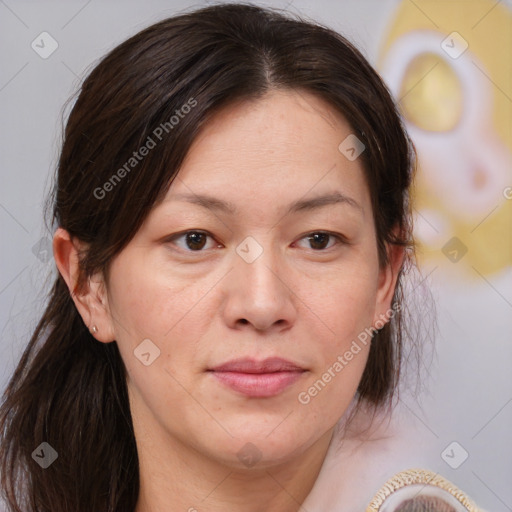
(319, 240)
(194, 241)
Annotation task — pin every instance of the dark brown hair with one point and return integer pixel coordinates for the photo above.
(69, 390)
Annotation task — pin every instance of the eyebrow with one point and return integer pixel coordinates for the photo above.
(212, 203)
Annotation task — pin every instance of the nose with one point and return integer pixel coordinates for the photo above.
(260, 293)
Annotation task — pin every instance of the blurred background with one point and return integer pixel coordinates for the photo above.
(449, 66)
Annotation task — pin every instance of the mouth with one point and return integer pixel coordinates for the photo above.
(258, 379)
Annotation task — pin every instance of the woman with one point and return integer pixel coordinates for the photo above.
(232, 227)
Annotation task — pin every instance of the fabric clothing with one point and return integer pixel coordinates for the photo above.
(369, 475)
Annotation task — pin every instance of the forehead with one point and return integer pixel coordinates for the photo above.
(274, 149)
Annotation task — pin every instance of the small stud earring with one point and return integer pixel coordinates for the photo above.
(94, 329)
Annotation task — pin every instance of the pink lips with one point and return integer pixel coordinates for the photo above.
(258, 378)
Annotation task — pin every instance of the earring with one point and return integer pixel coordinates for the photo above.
(94, 329)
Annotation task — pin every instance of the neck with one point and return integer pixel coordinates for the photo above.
(191, 482)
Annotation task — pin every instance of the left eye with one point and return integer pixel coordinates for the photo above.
(195, 241)
(318, 239)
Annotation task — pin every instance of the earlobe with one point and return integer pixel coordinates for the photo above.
(91, 302)
(388, 277)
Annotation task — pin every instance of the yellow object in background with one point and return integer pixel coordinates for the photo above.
(449, 65)
(431, 93)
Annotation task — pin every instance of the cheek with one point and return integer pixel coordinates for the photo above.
(346, 349)
(347, 307)
(150, 304)
(173, 313)
(149, 301)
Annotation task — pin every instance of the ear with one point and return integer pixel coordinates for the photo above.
(91, 302)
(388, 276)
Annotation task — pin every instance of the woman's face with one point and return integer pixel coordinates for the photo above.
(249, 298)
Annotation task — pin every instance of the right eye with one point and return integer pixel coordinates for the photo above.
(193, 240)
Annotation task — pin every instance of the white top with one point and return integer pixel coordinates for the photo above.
(370, 476)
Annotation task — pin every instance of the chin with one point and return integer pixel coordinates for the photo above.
(261, 448)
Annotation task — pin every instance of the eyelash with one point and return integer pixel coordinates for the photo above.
(341, 240)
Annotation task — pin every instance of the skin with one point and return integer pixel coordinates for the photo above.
(300, 300)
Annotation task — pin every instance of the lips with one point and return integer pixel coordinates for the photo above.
(258, 379)
(271, 365)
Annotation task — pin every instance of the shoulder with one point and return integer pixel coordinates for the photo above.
(364, 470)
